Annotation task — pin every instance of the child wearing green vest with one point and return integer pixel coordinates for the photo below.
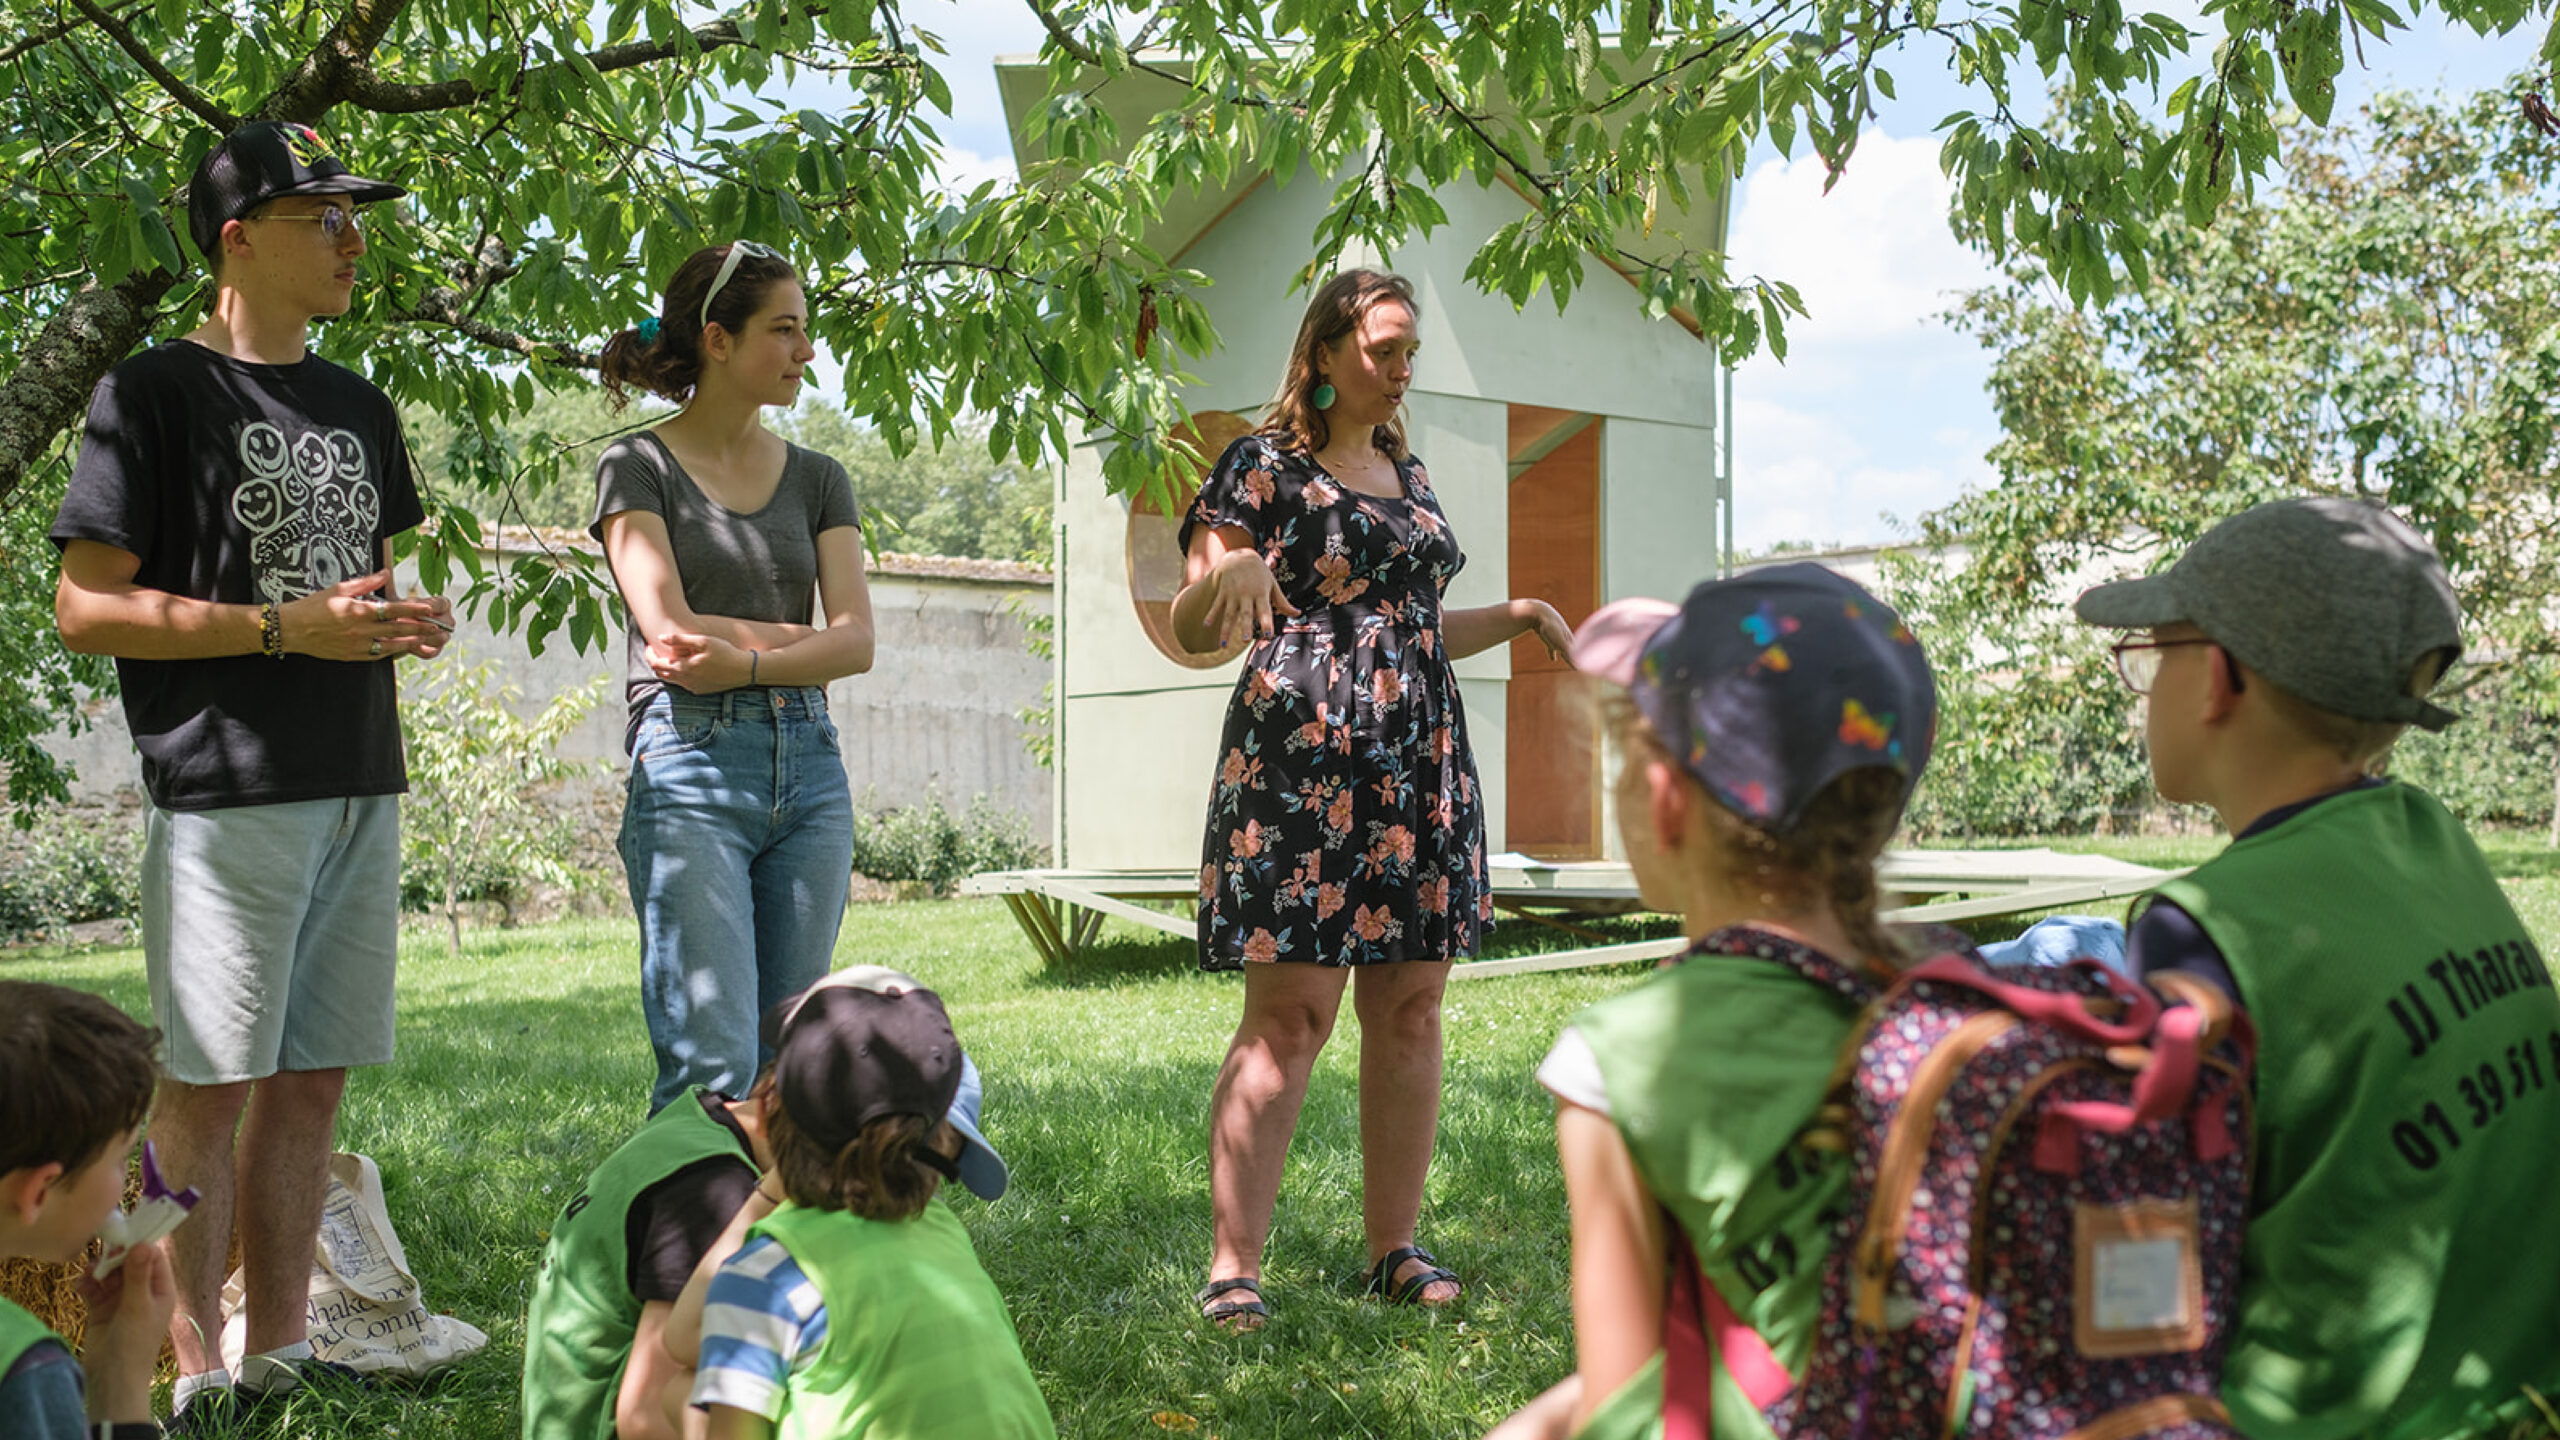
(856, 1308)
(76, 1076)
(1770, 728)
(2400, 1278)
(674, 1200)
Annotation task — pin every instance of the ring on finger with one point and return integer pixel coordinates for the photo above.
(374, 649)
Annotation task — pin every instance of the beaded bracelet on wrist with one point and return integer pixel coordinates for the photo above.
(271, 630)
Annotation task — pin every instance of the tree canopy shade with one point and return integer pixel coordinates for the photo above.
(565, 154)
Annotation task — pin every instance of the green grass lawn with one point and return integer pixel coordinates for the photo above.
(523, 1063)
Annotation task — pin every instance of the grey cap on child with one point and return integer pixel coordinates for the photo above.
(2336, 600)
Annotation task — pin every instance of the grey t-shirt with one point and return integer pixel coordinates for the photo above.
(762, 566)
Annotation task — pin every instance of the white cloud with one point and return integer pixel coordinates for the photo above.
(961, 169)
(1878, 409)
(973, 34)
(1874, 257)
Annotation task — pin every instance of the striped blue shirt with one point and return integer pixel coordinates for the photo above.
(761, 1320)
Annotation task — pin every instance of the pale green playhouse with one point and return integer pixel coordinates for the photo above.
(1579, 457)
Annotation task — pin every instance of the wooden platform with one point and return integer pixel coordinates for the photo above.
(1061, 911)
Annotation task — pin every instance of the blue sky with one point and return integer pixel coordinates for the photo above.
(1878, 413)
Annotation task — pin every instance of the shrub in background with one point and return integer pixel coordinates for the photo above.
(2499, 763)
(77, 866)
(474, 825)
(928, 844)
(2036, 735)
(2051, 747)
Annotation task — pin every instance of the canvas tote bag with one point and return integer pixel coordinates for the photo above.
(366, 1310)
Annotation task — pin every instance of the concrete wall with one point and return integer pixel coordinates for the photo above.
(937, 712)
(940, 711)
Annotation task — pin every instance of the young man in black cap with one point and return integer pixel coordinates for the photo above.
(2399, 1279)
(227, 537)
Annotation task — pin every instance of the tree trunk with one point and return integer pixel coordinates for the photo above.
(81, 343)
(452, 912)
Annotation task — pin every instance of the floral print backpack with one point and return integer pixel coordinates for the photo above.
(2049, 1179)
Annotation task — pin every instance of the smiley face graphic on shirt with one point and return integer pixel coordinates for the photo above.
(310, 506)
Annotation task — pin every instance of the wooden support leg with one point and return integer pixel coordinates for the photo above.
(1088, 924)
(1045, 911)
(1024, 908)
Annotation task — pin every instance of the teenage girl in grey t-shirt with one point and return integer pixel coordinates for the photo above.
(737, 836)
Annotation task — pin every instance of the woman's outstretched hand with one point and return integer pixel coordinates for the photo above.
(1549, 627)
(1245, 600)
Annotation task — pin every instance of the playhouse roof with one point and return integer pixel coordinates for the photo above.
(1134, 97)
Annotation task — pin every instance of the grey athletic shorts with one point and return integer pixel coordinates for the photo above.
(270, 934)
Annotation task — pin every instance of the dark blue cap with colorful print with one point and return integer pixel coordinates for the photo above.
(1771, 685)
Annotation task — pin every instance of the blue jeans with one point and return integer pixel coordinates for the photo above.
(737, 840)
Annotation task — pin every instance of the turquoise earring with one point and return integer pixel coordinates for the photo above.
(1324, 396)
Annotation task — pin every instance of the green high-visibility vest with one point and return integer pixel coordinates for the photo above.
(2400, 1277)
(21, 1332)
(918, 1347)
(1713, 1068)
(578, 1330)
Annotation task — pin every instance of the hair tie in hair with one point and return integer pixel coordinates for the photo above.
(647, 330)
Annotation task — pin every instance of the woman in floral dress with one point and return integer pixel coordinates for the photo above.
(1346, 830)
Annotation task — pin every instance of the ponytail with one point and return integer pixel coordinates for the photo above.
(663, 354)
(643, 358)
(1827, 861)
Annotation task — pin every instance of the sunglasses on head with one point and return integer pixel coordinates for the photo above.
(738, 250)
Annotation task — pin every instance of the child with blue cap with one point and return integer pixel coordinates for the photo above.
(607, 1356)
(1770, 729)
(856, 1306)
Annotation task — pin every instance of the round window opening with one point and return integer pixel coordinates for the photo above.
(1155, 554)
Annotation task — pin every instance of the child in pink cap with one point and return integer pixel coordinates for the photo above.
(1771, 729)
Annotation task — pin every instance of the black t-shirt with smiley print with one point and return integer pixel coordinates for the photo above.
(241, 483)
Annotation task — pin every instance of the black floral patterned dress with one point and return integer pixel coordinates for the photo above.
(1346, 826)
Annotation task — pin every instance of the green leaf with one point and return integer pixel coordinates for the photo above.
(1773, 319)
(157, 240)
(1641, 16)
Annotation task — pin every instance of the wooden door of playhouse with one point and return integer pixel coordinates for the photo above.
(1552, 751)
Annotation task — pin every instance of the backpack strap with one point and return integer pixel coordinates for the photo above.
(1903, 1157)
(1688, 1355)
(1750, 942)
(1699, 1330)
(2057, 1009)
(2224, 1022)
(2147, 1417)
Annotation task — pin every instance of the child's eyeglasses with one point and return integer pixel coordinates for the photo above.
(738, 250)
(2138, 661)
(334, 222)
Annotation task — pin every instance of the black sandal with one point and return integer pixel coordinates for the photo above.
(1382, 1277)
(1233, 1315)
